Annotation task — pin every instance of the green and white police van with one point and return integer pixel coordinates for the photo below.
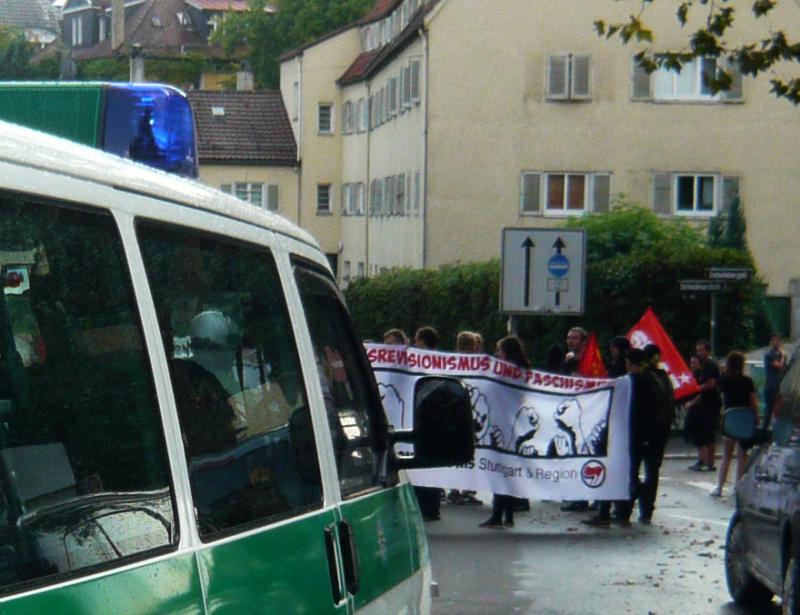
(188, 423)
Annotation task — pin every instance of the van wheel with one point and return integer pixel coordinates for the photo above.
(790, 598)
(743, 587)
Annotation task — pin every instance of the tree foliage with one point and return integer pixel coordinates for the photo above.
(634, 261)
(751, 57)
(15, 54)
(265, 36)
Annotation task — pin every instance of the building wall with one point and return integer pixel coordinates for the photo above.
(285, 177)
(316, 72)
(489, 120)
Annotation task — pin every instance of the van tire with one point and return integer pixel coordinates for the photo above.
(743, 587)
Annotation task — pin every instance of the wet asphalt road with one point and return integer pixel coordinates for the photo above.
(550, 564)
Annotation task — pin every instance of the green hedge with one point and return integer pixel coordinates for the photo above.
(634, 260)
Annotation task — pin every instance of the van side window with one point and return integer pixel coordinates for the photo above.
(84, 477)
(236, 376)
(355, 414)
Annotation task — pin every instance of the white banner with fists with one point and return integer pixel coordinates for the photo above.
(537, 435)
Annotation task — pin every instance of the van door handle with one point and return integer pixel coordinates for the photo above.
(352, 572)
(333, 565)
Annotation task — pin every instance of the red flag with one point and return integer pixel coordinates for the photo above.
(649, 331)
(591, 364)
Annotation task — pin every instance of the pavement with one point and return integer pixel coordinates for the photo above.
(551, 564)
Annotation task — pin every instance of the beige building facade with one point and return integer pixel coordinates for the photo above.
(523, 116)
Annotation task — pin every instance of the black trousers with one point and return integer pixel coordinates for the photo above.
(429, 501)
(502, 507)
(650, 455)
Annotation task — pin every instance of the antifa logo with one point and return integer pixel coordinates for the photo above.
(593, 473)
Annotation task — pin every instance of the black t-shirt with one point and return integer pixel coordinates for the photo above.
(709, 371)
(736, 390)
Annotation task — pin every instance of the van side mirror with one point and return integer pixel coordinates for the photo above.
(443, 431)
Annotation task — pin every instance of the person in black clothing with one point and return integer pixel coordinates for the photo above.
(646, 437)
(511, 349)
(429, 498)
(619, 348)
(738, 391)
(706, 409)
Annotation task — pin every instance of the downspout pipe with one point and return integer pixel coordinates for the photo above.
(424, 34)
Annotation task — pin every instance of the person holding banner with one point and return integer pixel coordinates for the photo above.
(510, 349)
(429, 498)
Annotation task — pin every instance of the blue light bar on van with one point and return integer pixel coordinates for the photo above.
(151, 124)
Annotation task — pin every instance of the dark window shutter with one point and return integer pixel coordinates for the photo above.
(601, 192)
(662, 194)
(557, 76)
(531, 190)
(415, 64)
(581, 80)
(735, 92)
(272, 197)
(640, 87)
(730, 191)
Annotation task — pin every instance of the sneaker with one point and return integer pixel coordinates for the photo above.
(597, 521)
(645, 520)
(709, 468)
(696, 466)
(491, 524)
(716, 492)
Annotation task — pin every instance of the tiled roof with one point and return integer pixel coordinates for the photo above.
(247, 127)
(219, 5)
(170, 38)
(368, 62)
(40, 14)
(381, 9)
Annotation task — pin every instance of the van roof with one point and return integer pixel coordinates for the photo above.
(30, 148)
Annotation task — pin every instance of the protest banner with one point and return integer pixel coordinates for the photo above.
(538, 435)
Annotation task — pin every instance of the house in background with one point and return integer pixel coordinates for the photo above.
(246, 147)
(38, 19)
(158, 29)
(429, 125)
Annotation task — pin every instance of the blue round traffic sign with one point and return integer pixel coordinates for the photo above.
(558, 265)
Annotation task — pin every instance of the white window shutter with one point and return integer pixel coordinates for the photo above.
(640, 82)
(601, 192)
(272, 197)
(531, 193)
(730, 191)
(580, 82)
(415, 66)
(557, 76)
(662, 193)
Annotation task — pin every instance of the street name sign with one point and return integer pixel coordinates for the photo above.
(702, 286)
(542, 271)
(735, 274)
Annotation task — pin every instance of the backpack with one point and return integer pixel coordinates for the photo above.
(663, 396)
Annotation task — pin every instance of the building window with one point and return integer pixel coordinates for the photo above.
(690, 84)
(568, 77)
(693, 194)
(324, 199)
(346, 272)
(564, 193)
(325, 119)
(77, 31)
(400, 195)
(360, 269)
(405, 80)
(252, 193)
(103, 29)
